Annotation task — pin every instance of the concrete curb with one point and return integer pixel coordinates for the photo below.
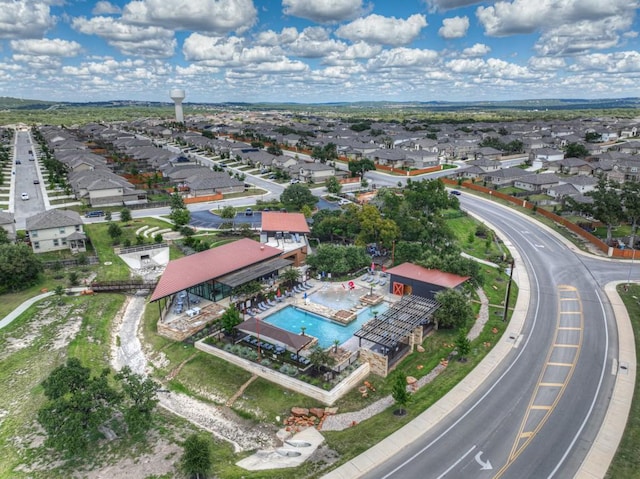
(606, 444)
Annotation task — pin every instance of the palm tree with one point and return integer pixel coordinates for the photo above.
(335, 345)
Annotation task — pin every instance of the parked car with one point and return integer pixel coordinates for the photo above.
(248, 212)
(18, 162)
(93, 214)
(24, 196)
(455, 192)
(36, 181)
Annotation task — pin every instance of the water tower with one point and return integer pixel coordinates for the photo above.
(177, 96)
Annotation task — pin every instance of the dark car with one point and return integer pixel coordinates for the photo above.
(36, 181)
(248, 212)
(93, 214)
(18, 162)
(455, 192)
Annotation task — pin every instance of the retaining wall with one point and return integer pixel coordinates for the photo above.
(325, 397)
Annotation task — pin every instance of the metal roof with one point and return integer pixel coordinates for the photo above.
(211, 264)
(266, 330)
(431, 276)
(253, 272)
(399, 321)
(273, 221)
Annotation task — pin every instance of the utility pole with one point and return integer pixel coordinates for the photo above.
(506, 299)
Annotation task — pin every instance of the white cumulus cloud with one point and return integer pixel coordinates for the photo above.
(547, 63)
(134, 40)
(51, 47)
(314, 42)
(105, 8)
(324, 11)
(25, 19)
(455, 27)
(213, 16)
(382, 30)
(403, 57)
(477, 50)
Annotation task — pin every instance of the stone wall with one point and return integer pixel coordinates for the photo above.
(325, 397)
(378, 363)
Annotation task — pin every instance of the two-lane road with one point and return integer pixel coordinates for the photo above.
(539, 411)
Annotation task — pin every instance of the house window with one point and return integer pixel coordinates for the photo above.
(64, 241)
(78, 228)
(56, 242)
(34, 234)
(36, 245)
(634, 169)
(61, 230)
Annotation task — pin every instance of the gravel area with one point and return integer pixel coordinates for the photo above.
(219, 421)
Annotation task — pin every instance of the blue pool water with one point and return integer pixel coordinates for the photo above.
(292, 319)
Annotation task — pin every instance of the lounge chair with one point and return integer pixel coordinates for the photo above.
(261, 307)
(383, 282)
(296, 289)
(304, 287)
(364, 277)
(270, 303)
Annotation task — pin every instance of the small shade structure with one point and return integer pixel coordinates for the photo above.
(287, 339)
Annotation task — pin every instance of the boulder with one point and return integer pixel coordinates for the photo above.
(411, 380)
(317, 412)
(420, 348)
(330, 411)
(299, 411)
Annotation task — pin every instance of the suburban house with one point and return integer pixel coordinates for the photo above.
(55, 230)
(288, 232)
(537, 182)
(315, 172)
(505, 176)
(571, 166)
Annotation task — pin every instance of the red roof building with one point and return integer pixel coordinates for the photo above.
(409, 278)
(216, 271)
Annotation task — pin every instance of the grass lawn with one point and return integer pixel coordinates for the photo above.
(626, 463)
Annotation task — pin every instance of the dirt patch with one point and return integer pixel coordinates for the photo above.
(160, 461)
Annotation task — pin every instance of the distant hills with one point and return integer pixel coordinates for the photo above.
(18, 104)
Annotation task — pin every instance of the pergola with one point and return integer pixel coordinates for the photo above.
(399, 321)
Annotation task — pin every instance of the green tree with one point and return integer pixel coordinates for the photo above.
(631, 205)
(59, 292)
(74, 279)
(107, 216)
(290, 276)
(125, 215)
(333, 185)
(607, 205)
(230, 319)
(19, 267)
(4, 236)
(576, 150)
(463, 346)
(454, 311)
(140, 399)
(179, 215)
(114, 231)
(228, 212)
(320, 358)
(294, 197)
(196, 459)
(360, 167)
(78, 405)
(399, 393)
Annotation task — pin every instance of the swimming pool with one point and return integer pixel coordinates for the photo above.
(337, 297)
(293, 319)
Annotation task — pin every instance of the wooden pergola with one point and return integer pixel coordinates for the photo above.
(399, 321)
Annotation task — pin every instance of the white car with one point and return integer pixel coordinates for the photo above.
(343, 202)
(25, 196)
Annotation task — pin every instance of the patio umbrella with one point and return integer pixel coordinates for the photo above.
(278, 293)
(373, 266)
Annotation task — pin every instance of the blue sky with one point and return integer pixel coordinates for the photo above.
(315, 51)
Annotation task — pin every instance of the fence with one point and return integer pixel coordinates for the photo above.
(584, 234)
(65, 263)
(123, 285)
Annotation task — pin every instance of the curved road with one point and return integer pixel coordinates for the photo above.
(538, 412)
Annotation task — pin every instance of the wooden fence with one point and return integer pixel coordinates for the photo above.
(584, 234)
